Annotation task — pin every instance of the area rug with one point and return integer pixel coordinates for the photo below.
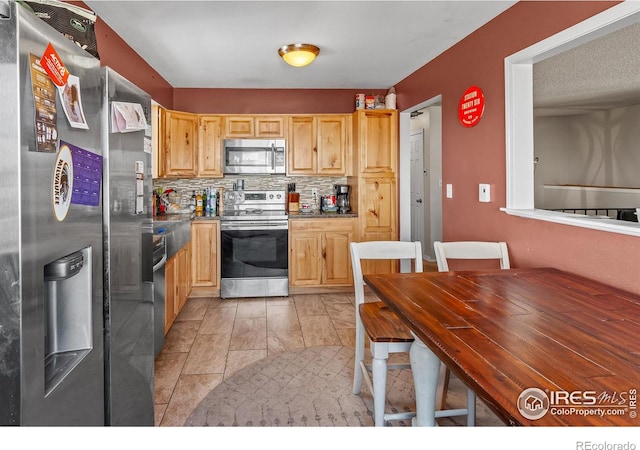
(308, 387)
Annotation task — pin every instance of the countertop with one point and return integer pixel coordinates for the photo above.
(168, 218)
(321, 215)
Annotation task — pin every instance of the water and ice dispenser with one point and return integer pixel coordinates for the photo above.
(67, 309)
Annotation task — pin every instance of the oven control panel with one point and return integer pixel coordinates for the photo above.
(254, 199)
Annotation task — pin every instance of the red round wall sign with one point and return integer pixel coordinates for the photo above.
(471, 107)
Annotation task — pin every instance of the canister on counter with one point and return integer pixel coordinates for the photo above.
(370, 102)
(359, 101)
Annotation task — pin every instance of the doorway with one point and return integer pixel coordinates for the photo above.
(418, 175)
(421, 158)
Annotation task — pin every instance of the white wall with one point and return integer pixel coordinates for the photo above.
(594, 149)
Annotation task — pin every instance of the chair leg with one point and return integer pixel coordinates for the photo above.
(471, 408)
(357, 369)
(425, 366)
(379, 372)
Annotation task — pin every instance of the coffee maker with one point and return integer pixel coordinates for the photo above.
(342, 197)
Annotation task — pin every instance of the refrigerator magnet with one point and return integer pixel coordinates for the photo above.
(72, 103)
(62, 183)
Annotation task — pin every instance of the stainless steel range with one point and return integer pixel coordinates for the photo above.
(254, 245)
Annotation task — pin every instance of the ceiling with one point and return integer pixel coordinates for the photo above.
(234, 44)
(598, 75)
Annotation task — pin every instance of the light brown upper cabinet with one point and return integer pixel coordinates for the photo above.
(265, 127)
(210, 151)
(180, 144)
(376, 137)
(319, 145)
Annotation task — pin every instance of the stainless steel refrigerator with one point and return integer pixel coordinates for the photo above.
(76, 346)
(128, 235)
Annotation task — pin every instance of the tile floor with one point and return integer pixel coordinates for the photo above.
(213, 338)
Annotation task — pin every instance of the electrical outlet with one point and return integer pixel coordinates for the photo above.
(314, 195)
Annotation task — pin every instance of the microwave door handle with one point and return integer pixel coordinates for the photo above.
(273, 157)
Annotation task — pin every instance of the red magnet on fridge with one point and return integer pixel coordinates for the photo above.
(53, 65)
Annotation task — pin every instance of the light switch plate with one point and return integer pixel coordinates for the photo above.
(449, 190)
(484, 193)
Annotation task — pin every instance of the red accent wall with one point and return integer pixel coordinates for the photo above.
(116, 53)
(268, 101)
(470, 155)
(477, 155)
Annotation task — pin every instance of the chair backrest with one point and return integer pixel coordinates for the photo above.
(389, 250)
(470, 250)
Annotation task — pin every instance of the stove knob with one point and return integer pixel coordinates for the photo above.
(270, 196)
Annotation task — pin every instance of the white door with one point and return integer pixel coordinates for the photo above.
(417, 186)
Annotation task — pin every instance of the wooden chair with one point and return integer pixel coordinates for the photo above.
(386, 332)
(468, 250)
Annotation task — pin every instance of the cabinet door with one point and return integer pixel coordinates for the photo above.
(337, 258)
(239, 127)
(378, 205)
(204, 254)
(304, 259)
(332, 142)
(210, 154)
(157, 141)
(269, 127)
(170, 294)
(302, 151)
(181, 143)
(378, 140)
(378, 217)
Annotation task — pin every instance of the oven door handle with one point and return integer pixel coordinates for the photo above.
(160, 263)
(253, 226)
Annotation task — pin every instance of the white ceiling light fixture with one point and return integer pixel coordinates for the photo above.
(298, 55)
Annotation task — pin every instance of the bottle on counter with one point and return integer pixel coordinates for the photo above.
(192, 202)
(207, 202)
(213, 200)
(204, 200)
(199, 203)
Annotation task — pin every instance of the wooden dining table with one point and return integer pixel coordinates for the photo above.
(540, 346)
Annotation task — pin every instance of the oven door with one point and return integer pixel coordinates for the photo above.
(254, 259)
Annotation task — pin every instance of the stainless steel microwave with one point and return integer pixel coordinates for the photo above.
(254, 156)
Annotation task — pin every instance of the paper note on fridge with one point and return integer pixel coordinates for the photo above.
(72, 102)
(126, 117)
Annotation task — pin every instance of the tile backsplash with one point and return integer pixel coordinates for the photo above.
(186, 186)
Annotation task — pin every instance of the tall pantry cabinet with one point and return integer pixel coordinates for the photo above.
(375, 195)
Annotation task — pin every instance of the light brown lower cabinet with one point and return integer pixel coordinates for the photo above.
(319, 252)
(177, 285)
(205, 267)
